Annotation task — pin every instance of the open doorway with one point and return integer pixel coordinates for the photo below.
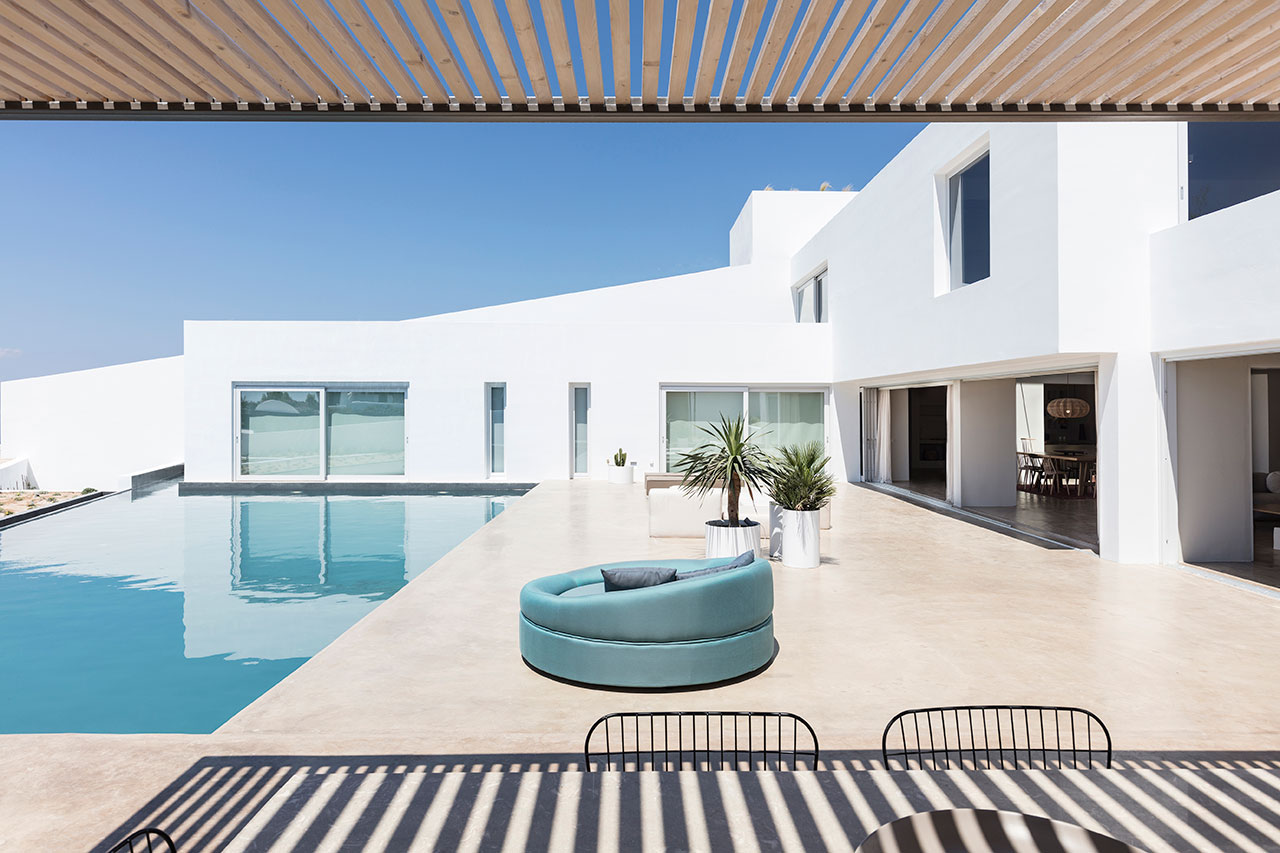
(1057, 459)
(919, 426)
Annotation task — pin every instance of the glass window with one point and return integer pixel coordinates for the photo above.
(687, 411)
(497, 426)
(366, 432)
(280, 433)
(811, 300)
(1230, 162)
(787, 417)
(970, 227)
(580, 401)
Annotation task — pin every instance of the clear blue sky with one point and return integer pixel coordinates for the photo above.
(117, 232)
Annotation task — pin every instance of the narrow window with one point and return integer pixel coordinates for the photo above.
(581, 402)
(811, 300)
(497, 400)
(969, 233)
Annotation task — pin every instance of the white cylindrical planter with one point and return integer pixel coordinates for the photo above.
(800, 538)
(724, 541)
(775, 530)
(623, 476)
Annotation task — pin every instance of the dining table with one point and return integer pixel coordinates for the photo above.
(1066, 461)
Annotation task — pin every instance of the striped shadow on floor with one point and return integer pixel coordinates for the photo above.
(1169, 802)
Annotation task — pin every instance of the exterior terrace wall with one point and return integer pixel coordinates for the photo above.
(95, 427)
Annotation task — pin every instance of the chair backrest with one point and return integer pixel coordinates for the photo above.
(996, 737)
(149, 840)
(1046, 465)
(1028, 446)
(700, 740)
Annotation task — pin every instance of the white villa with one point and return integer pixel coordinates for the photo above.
(998, 297)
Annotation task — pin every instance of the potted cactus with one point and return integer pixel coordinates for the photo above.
(800, 487)
(619, 471)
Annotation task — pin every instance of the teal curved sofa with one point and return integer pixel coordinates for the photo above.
(677, 634)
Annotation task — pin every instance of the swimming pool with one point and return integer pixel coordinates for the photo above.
(160, 613)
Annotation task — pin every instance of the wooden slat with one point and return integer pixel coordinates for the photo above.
(40, 79)
(423, 22)
(309, 39)
(194, 30)
(968, 30)
(22, 82)
(158, 35)
(984, 66)
(1055, 43)
(399, 34)
(531, 53)
(59, 68)
(499, 49)
(98, 36)
(681, 49)
(744, 38)
(459, 26)
(334, 31)
(45, 43)
(901, 32)
(1126, 49)
(561, 54)
(1175, 56)
(712, 46)
(247, 38)
(589, 44)
(775, 39)
(1267, 92)
(651, 50)
(1250, 63)
(815, 18)
(838, 63)
(944, 20)
(370, 37)
(970, 48)
(620, 38)
(1222, 59)
(10, 89)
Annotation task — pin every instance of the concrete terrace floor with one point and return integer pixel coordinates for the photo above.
(909, 608)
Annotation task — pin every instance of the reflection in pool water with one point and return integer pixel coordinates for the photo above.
(168, 614)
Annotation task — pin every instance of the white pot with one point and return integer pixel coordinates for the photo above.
(775, 530)
(732, 541)
(800, 538)
(622, 476)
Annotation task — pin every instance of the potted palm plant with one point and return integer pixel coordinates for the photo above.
(620, 472)
(800, 487)
(730, 460)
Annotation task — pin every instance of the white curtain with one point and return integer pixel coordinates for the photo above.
(953, 446)
(869, 423)
(884, 429)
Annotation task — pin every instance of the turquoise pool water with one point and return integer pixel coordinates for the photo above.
(160, 613)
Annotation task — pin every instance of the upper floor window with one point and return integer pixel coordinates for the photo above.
(811, 300)
(969, 228)
(1230, 162)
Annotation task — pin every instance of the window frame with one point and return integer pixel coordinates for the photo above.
(574, 473)
(488, 429)
(323, 389)
(818, 283)
(953, 221)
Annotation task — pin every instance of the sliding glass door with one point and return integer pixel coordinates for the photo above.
(779, 417)
(310, 433)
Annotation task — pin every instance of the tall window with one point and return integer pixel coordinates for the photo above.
(969, 231)
(688, 412)
(1230, 162)
(811, 300)
(497, 401)
(295, 433)
(581, 402)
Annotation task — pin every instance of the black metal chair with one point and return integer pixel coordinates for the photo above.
(996, 737)
(149, 840)
(700, 740)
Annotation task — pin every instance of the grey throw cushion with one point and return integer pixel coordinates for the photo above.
(636, 577)
(746, 558)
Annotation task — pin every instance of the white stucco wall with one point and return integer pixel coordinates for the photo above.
(95, 427)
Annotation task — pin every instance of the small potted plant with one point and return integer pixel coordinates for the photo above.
(730, 460)
(800, 487)
(620, 472)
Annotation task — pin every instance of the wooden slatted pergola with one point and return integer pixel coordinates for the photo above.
(640, 59)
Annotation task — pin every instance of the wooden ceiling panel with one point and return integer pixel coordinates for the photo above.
(838, 59)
